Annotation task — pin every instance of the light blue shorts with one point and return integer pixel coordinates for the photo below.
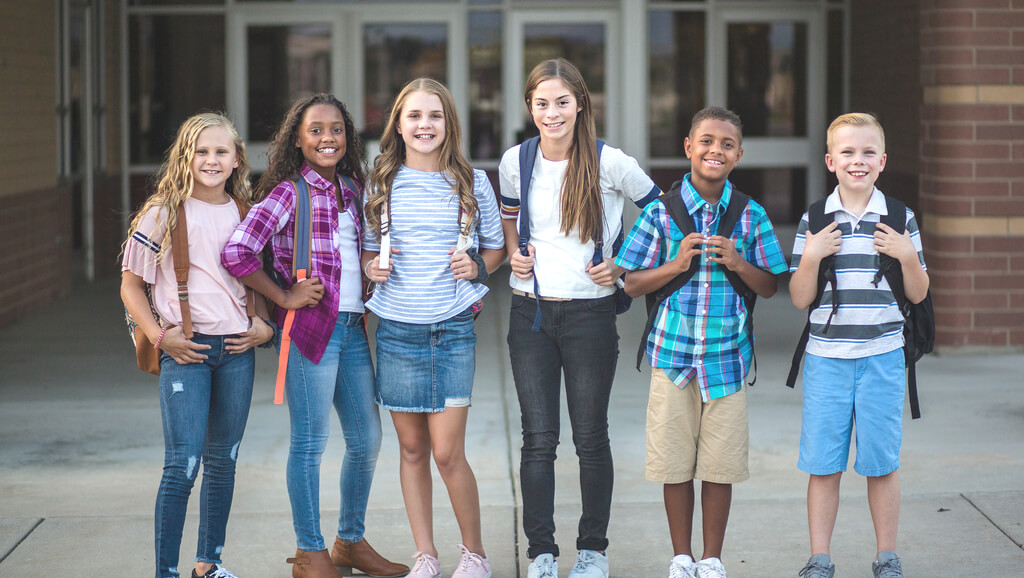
(425, 368)
(867, 391)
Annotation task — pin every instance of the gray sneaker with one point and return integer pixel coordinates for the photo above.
(819, 566)
(887, 565)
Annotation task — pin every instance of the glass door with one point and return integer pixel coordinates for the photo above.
(761, 64)
(363, 55)
(586, 38)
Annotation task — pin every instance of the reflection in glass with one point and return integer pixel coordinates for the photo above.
(285, 63)
(167, 85)
(581, 44)
(676, 78)
(394, 55)
(782, 191)
(485, 85)
(768, 77)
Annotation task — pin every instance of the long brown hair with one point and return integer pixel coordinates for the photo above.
(581, 187)
(174, 181)
(284, 159)
(452, 163)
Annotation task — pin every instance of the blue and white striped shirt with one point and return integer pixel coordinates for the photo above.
(868, 321)
(424, 220)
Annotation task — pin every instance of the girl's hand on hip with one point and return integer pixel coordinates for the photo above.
(257, 334)
(182, 349)
(522, 265)
(462, 265)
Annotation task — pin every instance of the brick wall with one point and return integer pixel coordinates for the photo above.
(972, 169)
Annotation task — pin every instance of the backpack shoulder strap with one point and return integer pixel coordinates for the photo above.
(676, 209)
(527, 158)
(303, 238)
(179, 250)
(737, 204)
(816, 221)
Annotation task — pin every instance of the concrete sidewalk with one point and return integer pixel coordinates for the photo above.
(81, 454)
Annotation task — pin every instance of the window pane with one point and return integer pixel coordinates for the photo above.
(175, 2)
(581, 44)
(781, 191)
(485, 85)
(285, 63)
(768, 77)
(676, 78)
(394, 55)
(834, 85)
(166, 86)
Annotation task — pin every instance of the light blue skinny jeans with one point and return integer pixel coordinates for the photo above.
(344, 377)
(204, 407)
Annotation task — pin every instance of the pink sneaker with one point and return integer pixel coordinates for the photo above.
(426, 566)
(472, 565)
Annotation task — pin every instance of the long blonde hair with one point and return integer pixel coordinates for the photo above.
(581, 204)
(174, 181)
(452, 163)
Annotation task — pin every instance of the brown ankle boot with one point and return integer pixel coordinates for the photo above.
(361, 556)
(313, 565)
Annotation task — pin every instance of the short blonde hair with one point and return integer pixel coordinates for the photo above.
(854, 119)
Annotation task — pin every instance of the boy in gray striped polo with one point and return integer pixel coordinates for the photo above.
(854, 368)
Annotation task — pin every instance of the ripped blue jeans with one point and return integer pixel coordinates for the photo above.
(204, 408)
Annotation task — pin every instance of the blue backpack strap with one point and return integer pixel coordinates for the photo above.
(303, 238)
(527, 158)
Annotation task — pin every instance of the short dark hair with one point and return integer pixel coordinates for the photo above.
(717, 113)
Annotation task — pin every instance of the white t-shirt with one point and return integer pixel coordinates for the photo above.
(351, 286)
(560, 261)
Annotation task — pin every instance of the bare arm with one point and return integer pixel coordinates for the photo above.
(174, 343)
(522, 265)
(303, 294)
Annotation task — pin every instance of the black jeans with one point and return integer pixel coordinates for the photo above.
(577, 338)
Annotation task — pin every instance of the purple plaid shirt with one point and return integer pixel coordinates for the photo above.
(271, 221)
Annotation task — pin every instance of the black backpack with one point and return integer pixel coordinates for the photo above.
(676, 208)
(918, 318)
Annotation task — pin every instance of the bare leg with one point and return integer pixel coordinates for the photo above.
(679, 508)
(448, 438)
(414, 472)
(822, 509)
(884, 501)
(715, 501)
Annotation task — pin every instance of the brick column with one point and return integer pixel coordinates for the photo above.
(972, 170)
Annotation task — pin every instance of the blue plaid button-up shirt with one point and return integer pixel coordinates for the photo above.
(700, 330)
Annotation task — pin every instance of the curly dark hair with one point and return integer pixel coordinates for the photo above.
(285, 159)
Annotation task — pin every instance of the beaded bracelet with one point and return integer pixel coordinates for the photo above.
(160, 339)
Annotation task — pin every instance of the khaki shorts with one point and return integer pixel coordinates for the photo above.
(687, 438)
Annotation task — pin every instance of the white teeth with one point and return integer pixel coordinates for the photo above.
(554, 124)
(327, 150)
(424, 137)
(713, 162)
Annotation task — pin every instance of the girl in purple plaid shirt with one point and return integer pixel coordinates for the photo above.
(328, 361)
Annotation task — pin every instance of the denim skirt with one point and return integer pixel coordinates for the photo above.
(424, 368)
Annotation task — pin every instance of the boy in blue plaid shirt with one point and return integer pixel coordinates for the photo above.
(700, 350)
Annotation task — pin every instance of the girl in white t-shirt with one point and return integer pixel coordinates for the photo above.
(206, 379)
(574, 199)
(440, 219)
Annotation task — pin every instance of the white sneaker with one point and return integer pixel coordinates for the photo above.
(710, 568)
(682, 567)
(543, 566)
(590, 564)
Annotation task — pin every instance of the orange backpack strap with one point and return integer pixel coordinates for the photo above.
(179, 249)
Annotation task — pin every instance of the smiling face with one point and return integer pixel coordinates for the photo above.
(554, 109)
(714, 148)
(321, 137)
(857, 157)
(214, 160)
(422, 128)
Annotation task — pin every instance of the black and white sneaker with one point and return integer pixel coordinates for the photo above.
(215, 571)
